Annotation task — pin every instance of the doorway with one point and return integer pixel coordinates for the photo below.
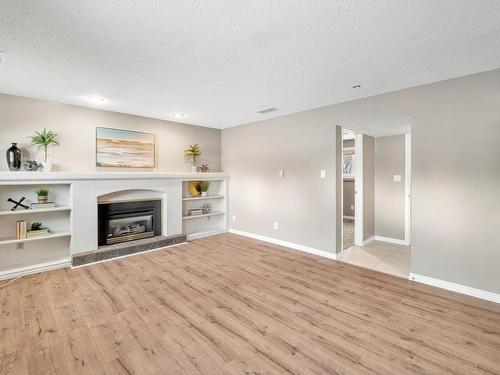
(376, 202)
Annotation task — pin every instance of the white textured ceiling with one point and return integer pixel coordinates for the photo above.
(219, 61)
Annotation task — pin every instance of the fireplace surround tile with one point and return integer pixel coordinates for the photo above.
(126, 248)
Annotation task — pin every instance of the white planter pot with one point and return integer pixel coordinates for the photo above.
(203, 193)
(194, 169)
(46, 166)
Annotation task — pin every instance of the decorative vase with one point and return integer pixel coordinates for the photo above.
(46, 166)
(194, 169)
(14, 157)
(203, 193)
(43, 198)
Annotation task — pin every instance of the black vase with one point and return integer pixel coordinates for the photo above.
(14, 158)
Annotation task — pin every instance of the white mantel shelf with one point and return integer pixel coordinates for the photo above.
(76, 176)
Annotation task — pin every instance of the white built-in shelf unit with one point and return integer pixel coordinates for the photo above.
(207, 224)
(33, 252)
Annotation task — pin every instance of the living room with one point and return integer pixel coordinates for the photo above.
(172, 193)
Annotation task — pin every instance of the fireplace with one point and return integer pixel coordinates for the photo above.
(128, 221)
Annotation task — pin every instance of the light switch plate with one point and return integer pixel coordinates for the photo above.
(397, 178)
(322, 173)
(282, 174)
(275, 225)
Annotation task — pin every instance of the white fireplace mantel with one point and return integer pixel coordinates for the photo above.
(103, 175)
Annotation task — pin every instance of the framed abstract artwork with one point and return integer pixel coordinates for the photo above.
(124, 148)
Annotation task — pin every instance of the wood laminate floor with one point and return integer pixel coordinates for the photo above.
(232, 305)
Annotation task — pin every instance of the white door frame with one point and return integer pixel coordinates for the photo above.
(407, 189)
(358, 190)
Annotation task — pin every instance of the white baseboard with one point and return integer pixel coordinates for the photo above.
(391, 240)
(36, 268)
(291, 245)
(368, 240)
(458, 288)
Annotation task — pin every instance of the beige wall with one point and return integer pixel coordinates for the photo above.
(390, 195)
(455, 181)
(302, 203)
(368, 187)
(20, 117)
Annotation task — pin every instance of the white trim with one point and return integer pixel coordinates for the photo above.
(36, 268)
(458, 288)
(358, 191)
(291, 245)
(391, 240)
(126, 256)
(407, 189)
(16, 177)
(341, 179)
(368, 240)
(208, 233)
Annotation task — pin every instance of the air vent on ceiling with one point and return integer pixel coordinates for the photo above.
(266, 110)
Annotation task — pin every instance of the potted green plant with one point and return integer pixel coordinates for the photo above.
(203, 187)
(44, 140)
(43, 195)
(191, 154)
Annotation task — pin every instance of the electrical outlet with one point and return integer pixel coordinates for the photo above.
(282, 173)
(20, 246)
(275, 225)
(352, 207)
(322, 173)
(397, 178)
(233, 219)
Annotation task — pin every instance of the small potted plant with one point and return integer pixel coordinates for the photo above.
(203, 187)
(43, 195)
(45, 139)
(191, 154)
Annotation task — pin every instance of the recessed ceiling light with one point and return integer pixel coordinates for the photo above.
(356, 86)
(177, 115)
(95, 99)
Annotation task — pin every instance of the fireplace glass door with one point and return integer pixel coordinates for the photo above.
(130, 228)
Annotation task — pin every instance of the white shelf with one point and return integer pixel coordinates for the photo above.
(204, 215)
(198, 235)
(8, 241)
(34, 211)
(199, 198)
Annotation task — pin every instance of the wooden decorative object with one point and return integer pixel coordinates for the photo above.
(193, 188)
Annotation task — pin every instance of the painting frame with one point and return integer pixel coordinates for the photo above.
(110, 138)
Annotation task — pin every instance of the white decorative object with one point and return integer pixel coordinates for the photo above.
(47, 165)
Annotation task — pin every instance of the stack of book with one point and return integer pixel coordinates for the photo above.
(37, 233)
(21, 229)
(35, 206)
(195, 212)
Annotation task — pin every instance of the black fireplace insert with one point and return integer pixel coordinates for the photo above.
(128, 221)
